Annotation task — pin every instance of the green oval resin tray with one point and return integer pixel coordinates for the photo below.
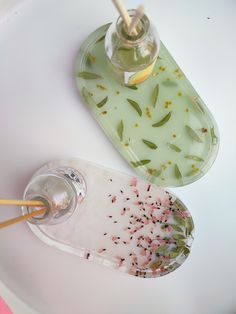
(161, 127)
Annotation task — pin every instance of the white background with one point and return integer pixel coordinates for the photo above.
(42, 118)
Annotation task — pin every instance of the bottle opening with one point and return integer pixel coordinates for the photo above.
(141, 28)
(39, 219)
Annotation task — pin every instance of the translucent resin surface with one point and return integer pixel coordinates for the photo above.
(123, 222)
(161, 127)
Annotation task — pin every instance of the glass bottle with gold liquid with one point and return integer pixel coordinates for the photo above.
(132, 56)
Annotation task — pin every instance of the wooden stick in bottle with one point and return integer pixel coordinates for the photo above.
(124, 14)
(139, 13)
(22, 218)
(21, 202)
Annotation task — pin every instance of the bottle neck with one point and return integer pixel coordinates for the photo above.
(142, 29)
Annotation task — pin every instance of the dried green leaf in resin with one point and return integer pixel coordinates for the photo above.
(198, 105)
(179, 237)
(90, 60)
(180, 243)
(120, 130)
(176, 228)
(155, 264)
(102, 102)
(150, 144)
(213, 136)
(186, 250)
(178, 174)
(135, 105)
(162, 121)
(161, 249)
(193, 157)
(174, 147)
(155, 94)
(194, 136)
(178, 204)
(134, 87)
(175, 252)
(87, 96)
(88, 75)
(154, 172)
(100, 39)
(140, 163)
(189, 225)
(179, 219)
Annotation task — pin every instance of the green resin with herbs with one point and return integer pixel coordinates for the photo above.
(161, 127)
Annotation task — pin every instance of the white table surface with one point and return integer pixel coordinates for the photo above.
(42, 118)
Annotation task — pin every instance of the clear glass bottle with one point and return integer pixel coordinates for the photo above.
(132, 57)
(61, 189)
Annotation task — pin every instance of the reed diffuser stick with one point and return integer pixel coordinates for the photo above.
(124, 14)
(22, 218)
(134, 22)
(21, 202)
